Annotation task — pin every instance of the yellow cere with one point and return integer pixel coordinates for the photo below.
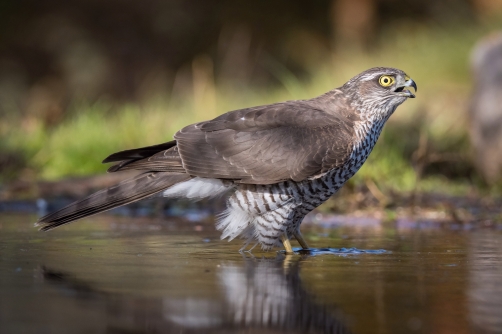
(386, 80)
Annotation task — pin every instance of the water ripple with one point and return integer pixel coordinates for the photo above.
(338, 251)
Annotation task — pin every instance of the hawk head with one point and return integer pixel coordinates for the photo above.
(379, 90)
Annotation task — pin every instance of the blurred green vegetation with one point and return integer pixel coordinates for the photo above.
(424, 146)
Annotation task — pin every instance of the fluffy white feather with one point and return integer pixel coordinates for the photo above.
(198, 188)
(234, 222)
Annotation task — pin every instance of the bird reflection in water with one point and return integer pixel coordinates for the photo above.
(270, 294)
(257, 294)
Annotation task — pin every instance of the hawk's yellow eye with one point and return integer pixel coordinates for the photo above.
(386, 80)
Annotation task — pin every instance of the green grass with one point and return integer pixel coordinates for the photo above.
(436, 58)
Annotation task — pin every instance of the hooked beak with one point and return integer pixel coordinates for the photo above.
(404, 92)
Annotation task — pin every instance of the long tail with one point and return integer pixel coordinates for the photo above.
(128, 191)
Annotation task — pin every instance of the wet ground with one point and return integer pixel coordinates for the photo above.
(112, 274)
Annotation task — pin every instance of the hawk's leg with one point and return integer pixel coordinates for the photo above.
(287, 244)
(301, 240)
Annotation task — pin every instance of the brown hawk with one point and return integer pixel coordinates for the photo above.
(277, 162)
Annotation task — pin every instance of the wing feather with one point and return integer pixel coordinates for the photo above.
(292, 140)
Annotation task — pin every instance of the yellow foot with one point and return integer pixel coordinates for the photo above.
(301, 240)
(287, 244)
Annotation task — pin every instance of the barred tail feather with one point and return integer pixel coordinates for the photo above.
(127, 191)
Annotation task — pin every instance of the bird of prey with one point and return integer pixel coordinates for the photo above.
(276, 162)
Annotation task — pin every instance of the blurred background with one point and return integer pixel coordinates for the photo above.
(82, 79)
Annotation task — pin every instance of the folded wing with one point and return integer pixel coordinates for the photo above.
(260, 145)
(267, 144)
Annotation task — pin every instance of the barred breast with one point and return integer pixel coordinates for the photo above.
(264, 213)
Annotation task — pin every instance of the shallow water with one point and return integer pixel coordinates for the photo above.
(140, 275)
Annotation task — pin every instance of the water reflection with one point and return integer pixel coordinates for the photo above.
(141, 276)
(485, 282)
(256, 294)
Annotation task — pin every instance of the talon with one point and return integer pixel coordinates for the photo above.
(298, 236)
